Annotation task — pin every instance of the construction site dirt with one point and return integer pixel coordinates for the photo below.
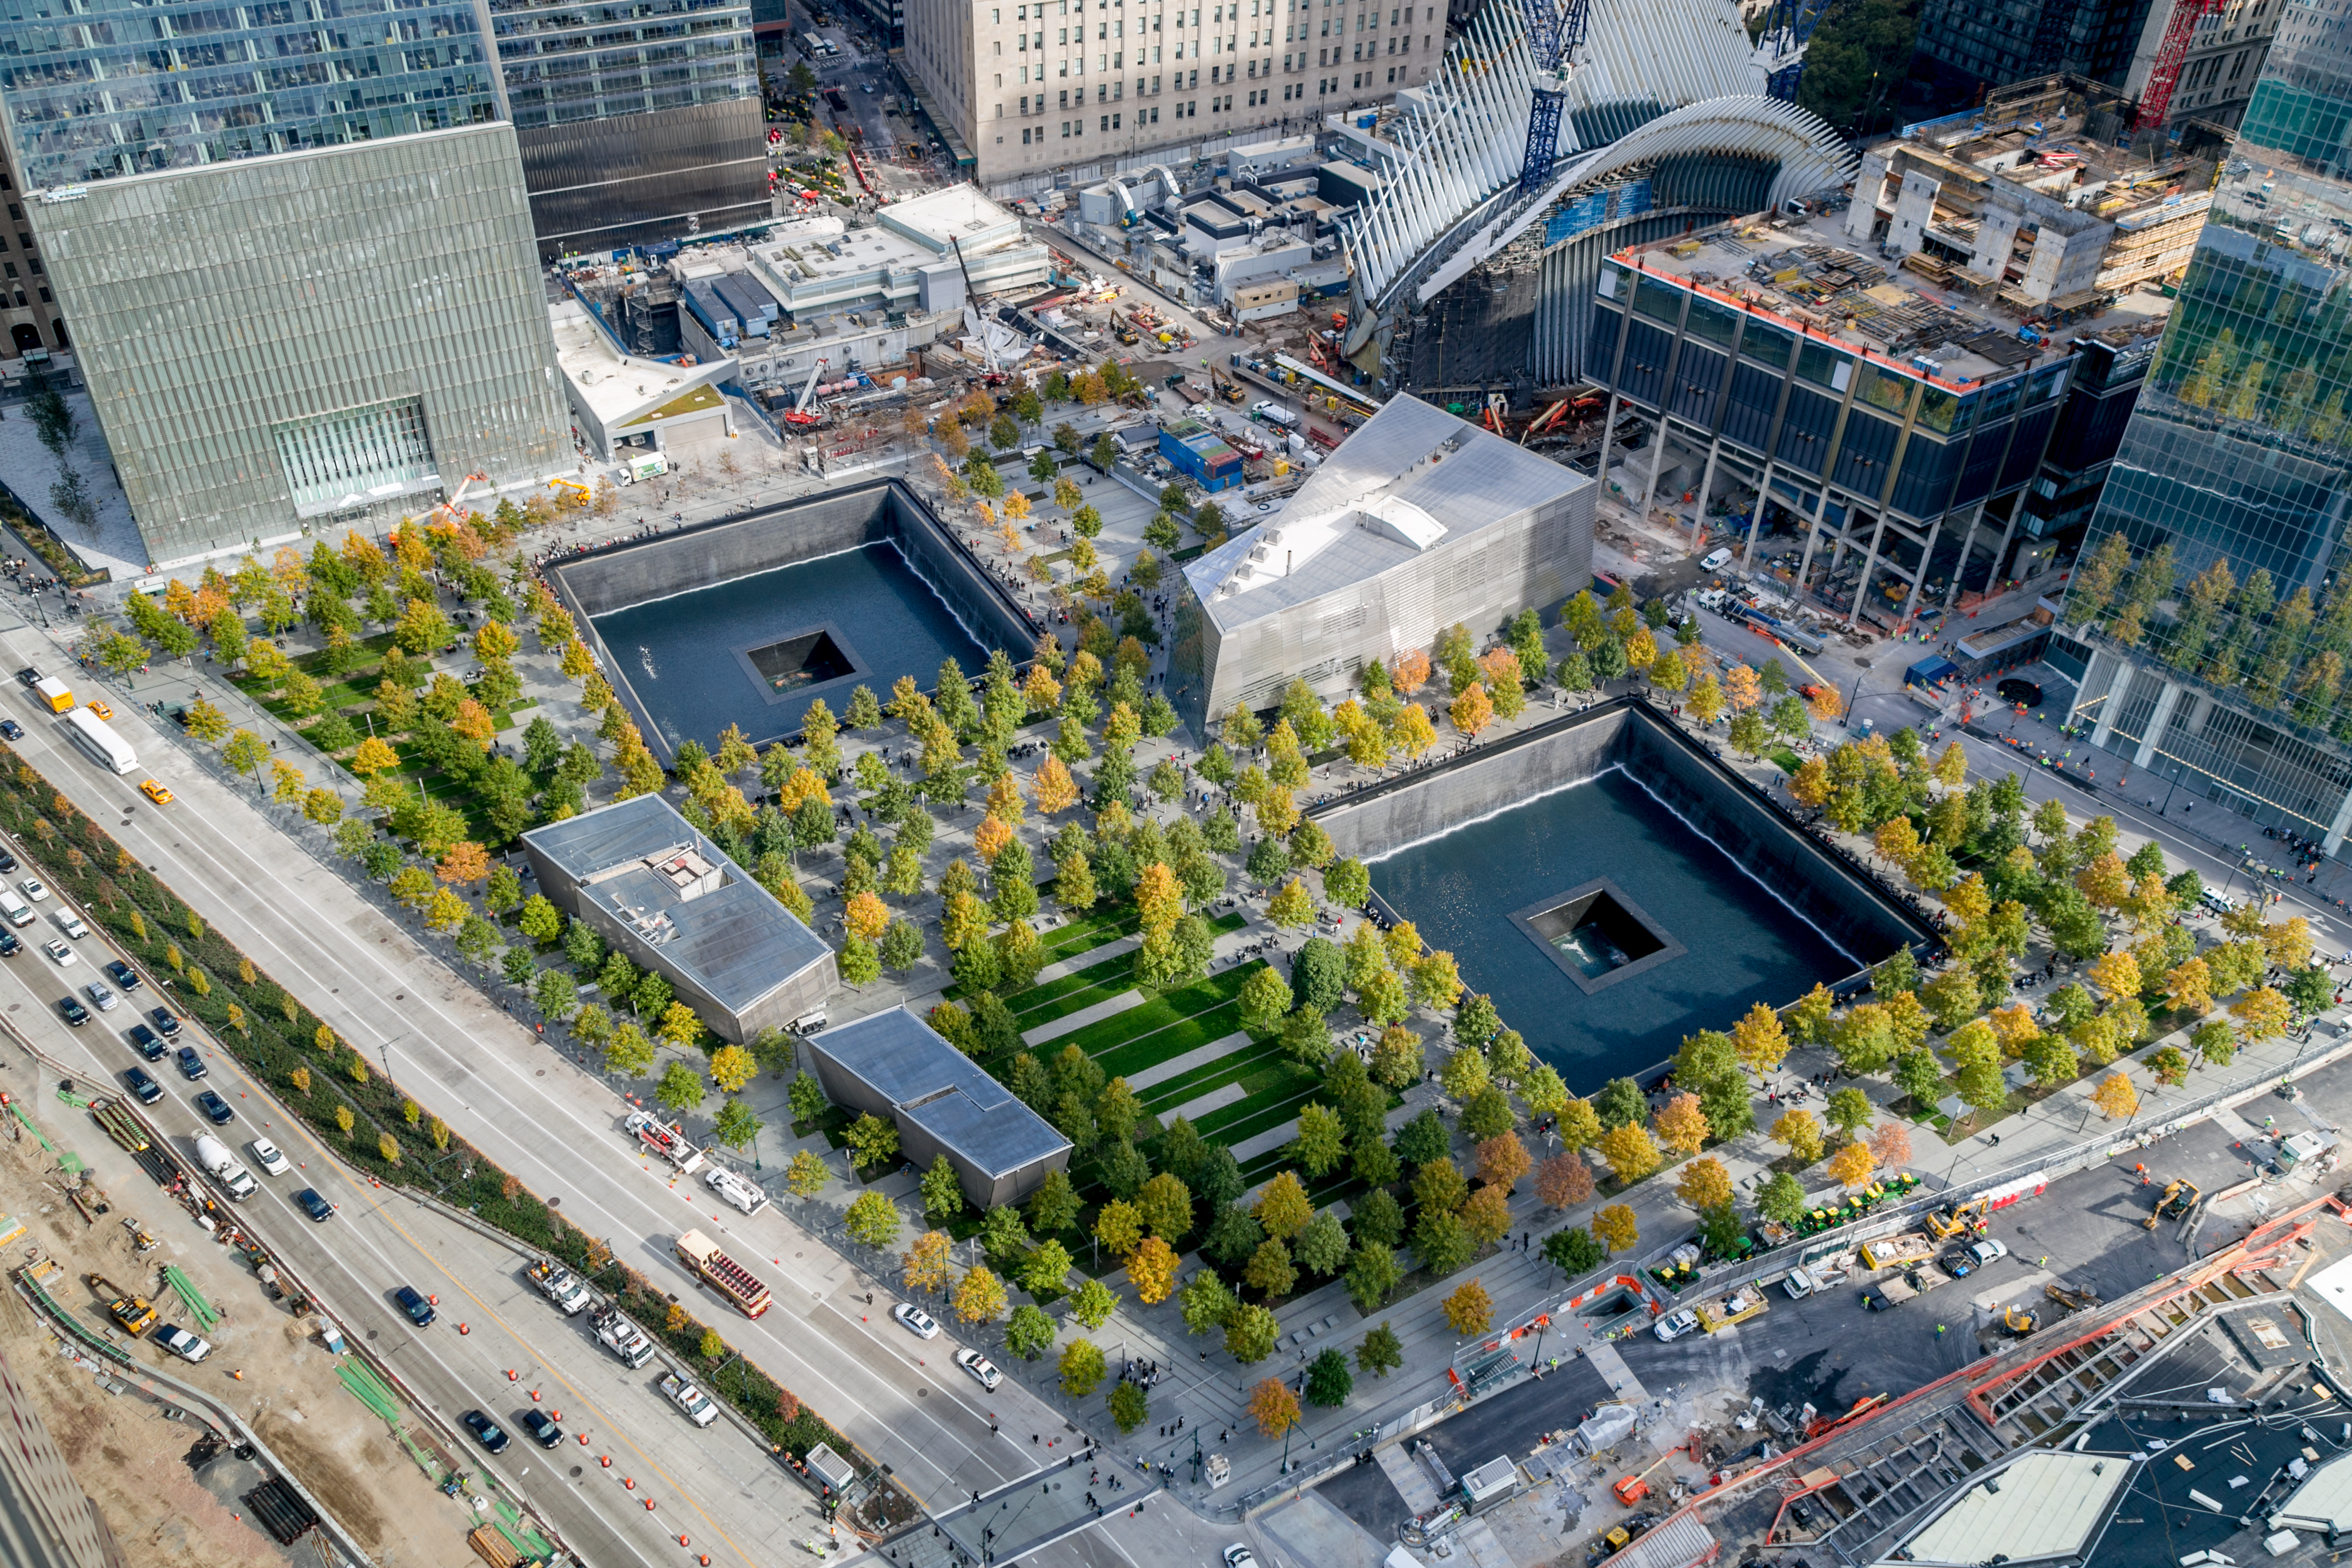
(171, 1497)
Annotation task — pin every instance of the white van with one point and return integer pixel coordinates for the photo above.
(69, 923)
(13, 906)
(741, 1194)
(1716, 558)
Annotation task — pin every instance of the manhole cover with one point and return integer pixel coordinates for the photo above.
(541, 1073)
(554, 1202)
(575, 1471)
(922, 1394)
(796, 1255)
(374, 1333)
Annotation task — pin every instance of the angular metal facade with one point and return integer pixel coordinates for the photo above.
(310, 308)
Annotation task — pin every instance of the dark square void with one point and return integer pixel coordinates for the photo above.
(1597, 935)
(693, 660)
(811, 658)
(1470, 889)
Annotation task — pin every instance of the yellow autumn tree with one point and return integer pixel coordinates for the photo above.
(2116, 1097)
(1851, 1166)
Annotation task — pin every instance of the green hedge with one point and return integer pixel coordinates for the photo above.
(276, 1036)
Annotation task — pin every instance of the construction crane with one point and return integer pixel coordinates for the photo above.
(1555, 35)
(1781, 48)
(2155, 100)
(798, 413)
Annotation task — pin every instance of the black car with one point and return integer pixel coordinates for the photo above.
(213, 1105)
(144, 1041)
(165, 1024)
(2024, 694)
(139, 1081)
(313, 1205)
(9, 946)
(543, 1427)
(411, 1301)
(7, 861)
(10, 728)
(123, 975)
(27, 676)
(486, 1430)
(75, 1013)
(191, 1062)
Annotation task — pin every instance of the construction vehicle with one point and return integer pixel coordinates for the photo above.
(1633, 1489)
(2178, 1198)
(2019, 1320)
(1227, 386)
(2070, 1299)
(2164, 75)
(1781, 46)
(580, 491)
(798, 413)
(1952, 1220)
(1555, 34)
(135, 1314)
(1894, 1251)
(665, 1139)
(1737, 1308)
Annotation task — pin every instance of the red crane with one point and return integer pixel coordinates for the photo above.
(2155, 100)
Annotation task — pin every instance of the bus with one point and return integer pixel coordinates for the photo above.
(96, 736)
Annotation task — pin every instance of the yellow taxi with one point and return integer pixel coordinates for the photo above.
(155, 792)
(100, 708)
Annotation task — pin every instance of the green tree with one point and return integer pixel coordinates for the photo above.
(942, 1192)
(1572, 1251)
(1082, 1368)
(873, 1219)
(1029, 1332)
(681, 1088)
(1328, 1382)
(1380, 1353)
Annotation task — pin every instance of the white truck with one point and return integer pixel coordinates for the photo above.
(1272, 412)
(665, 1139)
(622, 1337)
(741, 1194)
(686, 1398)
(214, 1156)
(560, 1286)
(638, 467)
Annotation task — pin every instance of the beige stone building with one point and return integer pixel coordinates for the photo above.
(1035, 84)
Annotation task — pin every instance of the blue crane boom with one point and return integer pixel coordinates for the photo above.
(1555, 34)
(1781, 48)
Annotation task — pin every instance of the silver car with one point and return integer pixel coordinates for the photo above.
(102, 996)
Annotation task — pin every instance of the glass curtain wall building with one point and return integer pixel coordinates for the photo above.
(638, 121)
(2213, 602)
(315, 340)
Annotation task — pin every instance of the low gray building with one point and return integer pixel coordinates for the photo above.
(893, 1064)
(644, 879)
(1420, 522)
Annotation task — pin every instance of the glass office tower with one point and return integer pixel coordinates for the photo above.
(638, 121)
(2213, 599)
(101, 88)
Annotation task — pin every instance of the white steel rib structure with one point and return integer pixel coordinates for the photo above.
(1657, 81)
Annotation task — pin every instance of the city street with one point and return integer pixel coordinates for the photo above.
(716, 1482)
(527, 1107)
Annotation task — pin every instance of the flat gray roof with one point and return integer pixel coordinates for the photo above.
(1412, 480)
(734, 940)
(941, 1090)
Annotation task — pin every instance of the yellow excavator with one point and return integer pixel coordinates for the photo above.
(2179, 1197)
(1945, 1223)
(133, 1313)
(2019, 1320)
